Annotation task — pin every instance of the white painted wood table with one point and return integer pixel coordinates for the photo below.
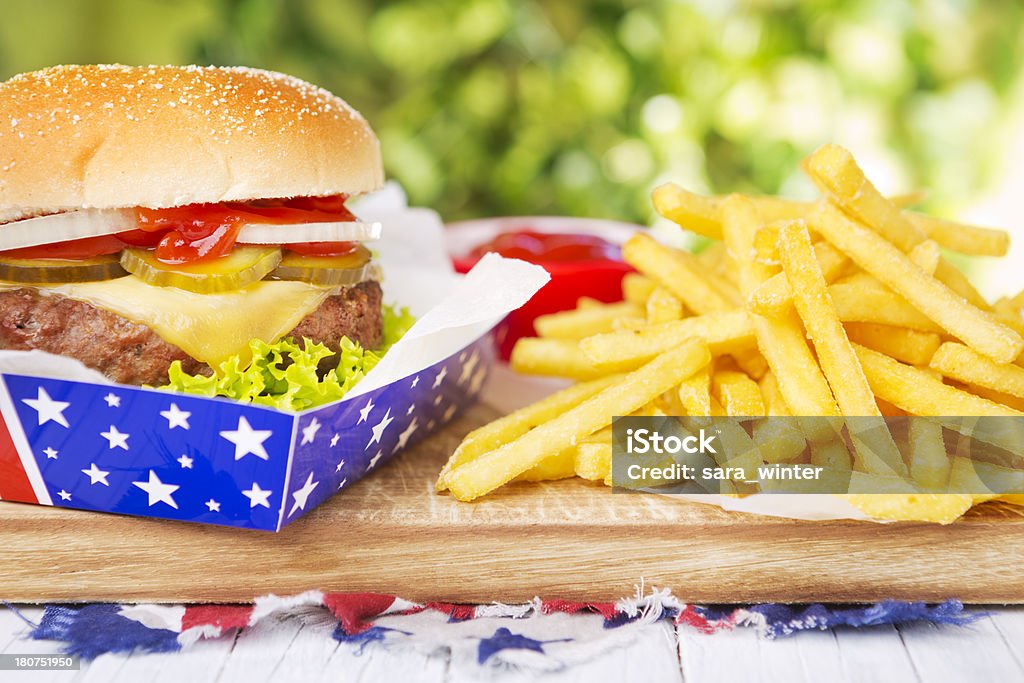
(991, 649)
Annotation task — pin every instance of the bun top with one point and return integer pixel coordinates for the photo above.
(111, 136)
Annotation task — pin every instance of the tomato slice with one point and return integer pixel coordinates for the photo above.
(140, 238)
(72, 250)
(322, 248)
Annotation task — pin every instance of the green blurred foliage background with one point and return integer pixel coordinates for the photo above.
(488, 107)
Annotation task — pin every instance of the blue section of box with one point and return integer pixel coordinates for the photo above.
(134, 451)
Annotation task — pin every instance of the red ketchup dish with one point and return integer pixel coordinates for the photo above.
(583, 256)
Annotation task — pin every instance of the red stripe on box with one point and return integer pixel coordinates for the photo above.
(14, 483)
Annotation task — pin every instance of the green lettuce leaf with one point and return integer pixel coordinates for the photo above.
(287, 375)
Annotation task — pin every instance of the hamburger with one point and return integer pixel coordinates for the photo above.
(153, 215)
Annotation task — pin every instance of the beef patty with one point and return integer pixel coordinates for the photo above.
(131, 353)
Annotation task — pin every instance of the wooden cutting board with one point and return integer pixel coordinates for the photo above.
(571, 539)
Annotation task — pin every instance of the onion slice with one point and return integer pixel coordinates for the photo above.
(64, 227)
(82, 223)
(260, 233)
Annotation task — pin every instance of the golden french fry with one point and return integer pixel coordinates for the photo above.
(774, 402)
(952, 277)
(739, 395)
(918, 392)
(781, 339)
(584, 321)
(960, 237)
(628, 324)
(688, 210)
(675, 271)
(835, 171)
(766, 242)
(831, 454)
(950, 311)
(926, 255)
(875, 450)
(723, 332)
(695, 392)
(929, 463)
(663, 306)
(966, 365)
(779, 440)
(594, 461)
(903, 344)
(905, 199)
(636, 288)
(774, 297)
(559, 358)
(941, 508)
(699, 213)
(559, 466)
(491, 470)
(866, 300)
(814, 305)
(997, 397)
(517, 423)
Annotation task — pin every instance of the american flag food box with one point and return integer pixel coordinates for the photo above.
(70, 439)
(154, 453)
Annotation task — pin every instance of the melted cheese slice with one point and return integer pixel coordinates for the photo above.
(208, 327)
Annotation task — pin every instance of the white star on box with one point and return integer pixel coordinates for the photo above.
(467, 369)
(113, 400)
(411, 408)
(51, 454)
(342, 484)
(378, 430)
(213, 505)
(47, 410)
(302, 495)
(415, 381)
(115, 438)
(449, 413)
(341, 463)
(64, 495)
(478, 381)
(309, 431)
(334, 440)
(176, 417)
(96, 475)
(158, 491)
(440, 377)
(403, 438)
(438, 399)
(248, 440)
(257, 496)
(373, 460)
(185, 462)
(364, 414)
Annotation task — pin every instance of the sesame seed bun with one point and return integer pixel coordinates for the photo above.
(111, 136)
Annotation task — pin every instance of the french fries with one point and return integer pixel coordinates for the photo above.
(490, 470)
(592, 318)
(903, 344)
(833, 312)
(961, 363)
(936, 301)
(675, 271)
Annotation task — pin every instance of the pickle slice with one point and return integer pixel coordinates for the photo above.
(242, 267)
(50, 271)
(350, 269)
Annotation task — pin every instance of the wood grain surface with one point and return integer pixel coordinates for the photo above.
(571, 539)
